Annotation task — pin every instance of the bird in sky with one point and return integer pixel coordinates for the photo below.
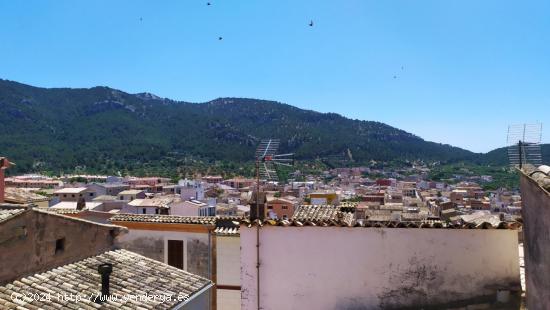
(208, 3)
(141, 19)
(311, 23)
(395, 76)
(220, 38)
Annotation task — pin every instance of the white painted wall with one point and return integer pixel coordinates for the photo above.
(228, 253)
(136, 237)
(183, 210)
(228, 256)
(373, 268)
(228, 300)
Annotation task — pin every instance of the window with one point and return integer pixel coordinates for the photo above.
(73, 195)
(157, 211)
(144, 210)
(91, 194)
(65, 195)
(175, 253)
(59, 245)
(285, 207)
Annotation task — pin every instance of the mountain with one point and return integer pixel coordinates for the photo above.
(499, 157)
(104, 129)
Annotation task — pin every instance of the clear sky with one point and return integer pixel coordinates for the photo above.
(463, 70)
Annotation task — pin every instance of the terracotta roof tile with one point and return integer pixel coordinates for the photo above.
(132, 275)
(168, 219)
(6, 214)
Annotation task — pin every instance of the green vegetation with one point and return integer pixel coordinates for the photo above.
(103, 130)
(502, 176)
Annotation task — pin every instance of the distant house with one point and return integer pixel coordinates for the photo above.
(213, 179)
(280, 208)
(111, 189)
(74, 194)
(189, 189)
(239, 182)
(74, 205)
(154, 205)
(193, 208)
(131, 194)
(323, 198)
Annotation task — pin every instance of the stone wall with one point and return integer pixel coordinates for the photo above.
(36, 241)
(536, 234)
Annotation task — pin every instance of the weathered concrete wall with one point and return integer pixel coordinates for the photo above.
(536, 233)
(154, 244)
(375, 268)
(228, 262)
(28, 242)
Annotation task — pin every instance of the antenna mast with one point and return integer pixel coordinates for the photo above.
(524, 144)
(266, 160)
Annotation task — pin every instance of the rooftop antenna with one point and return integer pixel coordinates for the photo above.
(524, 144)
(266, 161)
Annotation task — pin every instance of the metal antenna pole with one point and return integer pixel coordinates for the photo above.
(258, 231)
(520, 151)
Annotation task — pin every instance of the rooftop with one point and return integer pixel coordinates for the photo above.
(167, 219)
(6, 214)
(132, 274)
(21, 195)
(322, 214)
(539, 175)
(130, 192)
(70, 190)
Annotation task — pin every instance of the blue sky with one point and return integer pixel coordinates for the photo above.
(464, 69)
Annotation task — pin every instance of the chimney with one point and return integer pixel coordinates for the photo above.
(257, 206)
(105, 271)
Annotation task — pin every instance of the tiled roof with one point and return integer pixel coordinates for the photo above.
(319, 214)
(315, 212)
(383, 221)
(538, 175)
(60, 210)
(168, 219)
(6, 214)
(132, 275)
(22, 195)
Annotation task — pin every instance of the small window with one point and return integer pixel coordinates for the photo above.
(73, 195)
(285, 207)
(156, 211)
(59, 245)
(144, 210)
(91, 194)
(65, 195)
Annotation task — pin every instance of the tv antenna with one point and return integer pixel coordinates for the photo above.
(524, 144)
(266, 161)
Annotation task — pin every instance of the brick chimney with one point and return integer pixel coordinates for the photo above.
(4, 164)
